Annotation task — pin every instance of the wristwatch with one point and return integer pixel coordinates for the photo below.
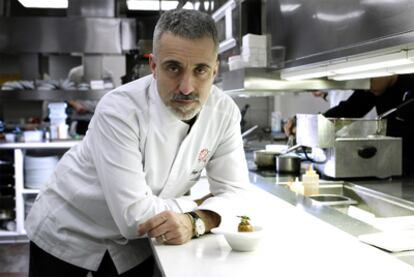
(199, 228)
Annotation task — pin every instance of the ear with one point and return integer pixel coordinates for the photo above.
(216, 69)
(153, 65)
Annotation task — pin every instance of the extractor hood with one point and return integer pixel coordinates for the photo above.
(330, 39)
(264, 81)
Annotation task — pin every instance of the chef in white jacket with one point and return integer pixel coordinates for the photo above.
(146, 146)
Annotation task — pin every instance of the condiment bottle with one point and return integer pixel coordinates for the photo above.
(310, 181)
(297, 186)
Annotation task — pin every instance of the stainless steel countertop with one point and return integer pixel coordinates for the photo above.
(273, 183)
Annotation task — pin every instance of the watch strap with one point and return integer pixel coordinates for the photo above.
(194, 218)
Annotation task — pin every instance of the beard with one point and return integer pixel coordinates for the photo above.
(185, 112)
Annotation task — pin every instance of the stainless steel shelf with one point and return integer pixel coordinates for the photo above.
(51, 95)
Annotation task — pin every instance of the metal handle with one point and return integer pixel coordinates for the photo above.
(367, 152)
(249, 131)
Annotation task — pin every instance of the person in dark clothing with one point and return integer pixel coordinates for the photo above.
(386, 93)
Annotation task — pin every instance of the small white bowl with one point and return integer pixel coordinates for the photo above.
(241, 241)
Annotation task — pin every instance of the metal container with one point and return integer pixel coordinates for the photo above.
(320, 131)
(265, 158)
(287, 164)
(351, 147)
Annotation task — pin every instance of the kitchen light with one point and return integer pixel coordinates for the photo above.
(371, 63)
(206, 5)
(45, 4)
(356, 68)
(309, 73)
(288, 8)
(330, 17)
(154, 5)
(360, 75)
(402, 69)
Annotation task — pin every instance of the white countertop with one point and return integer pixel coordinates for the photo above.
(57, 144)
(295, 244)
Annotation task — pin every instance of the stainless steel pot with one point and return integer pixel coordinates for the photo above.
(265, 158)
(287, 164)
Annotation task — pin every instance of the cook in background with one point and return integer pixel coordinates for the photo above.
(82, 110)
(385, 93)
(146, 146)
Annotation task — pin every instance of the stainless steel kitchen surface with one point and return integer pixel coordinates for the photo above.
(374, 200)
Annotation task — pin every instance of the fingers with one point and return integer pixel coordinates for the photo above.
(171, 238)
(162, 239)
(152, 224)
(168, 228)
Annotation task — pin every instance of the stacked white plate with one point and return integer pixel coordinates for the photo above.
(38, 169)
(28, 203)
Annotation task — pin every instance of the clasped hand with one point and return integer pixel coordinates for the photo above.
(168, 227)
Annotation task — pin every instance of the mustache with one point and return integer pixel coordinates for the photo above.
(180, 96)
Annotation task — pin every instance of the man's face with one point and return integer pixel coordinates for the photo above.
(185, 70)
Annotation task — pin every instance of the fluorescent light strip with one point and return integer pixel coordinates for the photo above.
(154, 5)
(402, 69)
(372, 63)
(395, 63)
(311, 73)
(45, 4)
(360, 75)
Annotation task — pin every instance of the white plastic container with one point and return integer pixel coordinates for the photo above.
(310, 182)
(276, 122)
(235, 62)
(254, 41)
(33, 136)
(57, 120)
(10, 137)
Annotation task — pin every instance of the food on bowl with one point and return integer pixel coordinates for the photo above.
(241, 241)
(244, 225)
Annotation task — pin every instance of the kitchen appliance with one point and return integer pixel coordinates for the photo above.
(350, 147)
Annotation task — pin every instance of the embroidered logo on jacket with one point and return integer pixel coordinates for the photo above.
(202, 156)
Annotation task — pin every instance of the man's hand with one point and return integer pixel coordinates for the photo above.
(168, 227)
(77, 106)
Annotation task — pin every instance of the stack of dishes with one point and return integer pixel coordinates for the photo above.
(28, 203)
(38, 169)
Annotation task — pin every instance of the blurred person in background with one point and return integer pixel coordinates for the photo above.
(81, 111)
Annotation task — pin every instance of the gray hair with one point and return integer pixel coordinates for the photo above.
(189, 24)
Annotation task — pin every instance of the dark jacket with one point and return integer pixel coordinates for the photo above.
(399, 124)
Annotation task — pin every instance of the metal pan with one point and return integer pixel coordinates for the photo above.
(287, 164)
(265, 158)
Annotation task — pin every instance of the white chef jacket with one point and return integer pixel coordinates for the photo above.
(136, 161)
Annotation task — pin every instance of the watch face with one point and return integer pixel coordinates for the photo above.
(200, 228)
